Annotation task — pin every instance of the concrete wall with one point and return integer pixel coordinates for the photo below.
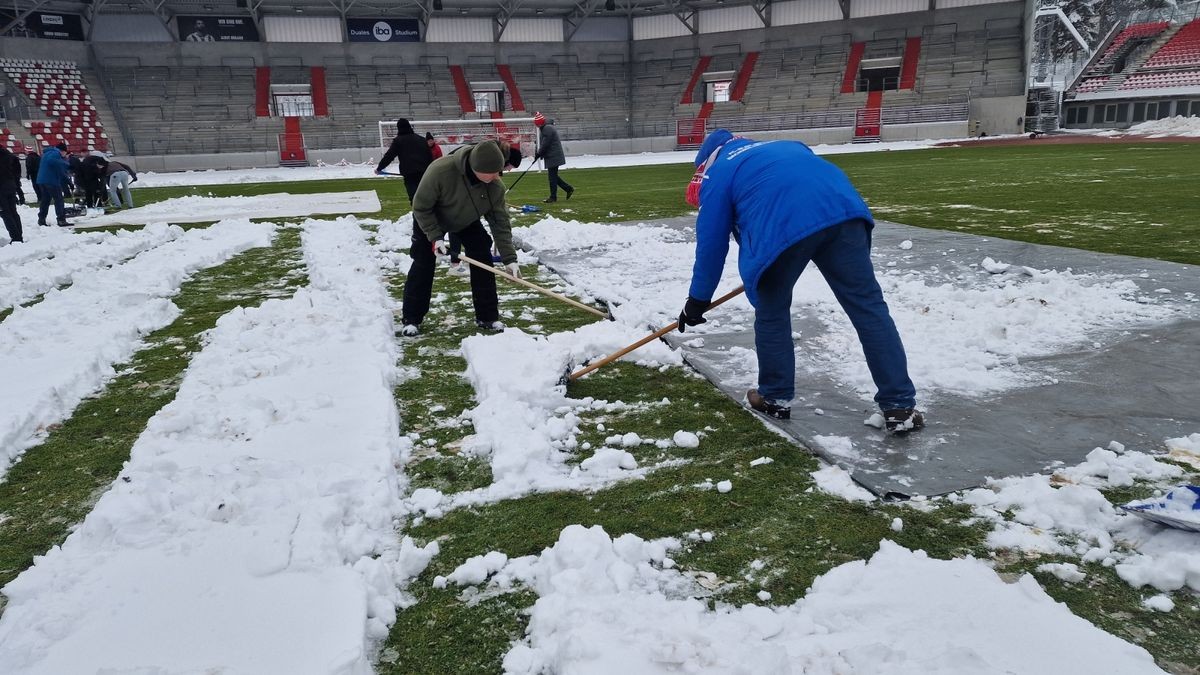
(995, 116)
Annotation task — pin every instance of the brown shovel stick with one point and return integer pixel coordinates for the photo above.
(544, 291)
(649, 338)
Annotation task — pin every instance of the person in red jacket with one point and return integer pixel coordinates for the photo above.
(433, 146)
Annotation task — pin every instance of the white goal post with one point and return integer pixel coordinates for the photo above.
(450, 134)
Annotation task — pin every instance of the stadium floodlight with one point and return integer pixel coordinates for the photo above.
(437, 5)
(610, 5)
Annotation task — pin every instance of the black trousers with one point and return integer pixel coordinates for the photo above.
(556, 182)
(8, 210)
(418, 286)
(410, 186)
(37, 191)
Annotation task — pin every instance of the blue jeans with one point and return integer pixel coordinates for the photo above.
(51, 193)
(843, 254)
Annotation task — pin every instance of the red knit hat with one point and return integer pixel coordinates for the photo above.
(538, 119)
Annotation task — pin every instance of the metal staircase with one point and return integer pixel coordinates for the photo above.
(1042, 106)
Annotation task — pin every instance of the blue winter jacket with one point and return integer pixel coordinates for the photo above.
(53, 169)
(767, 195)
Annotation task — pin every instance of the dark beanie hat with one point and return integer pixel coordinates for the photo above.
(429, 135)
(403, 126)
(487, 157)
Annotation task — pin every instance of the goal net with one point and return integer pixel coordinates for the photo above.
(519, 131)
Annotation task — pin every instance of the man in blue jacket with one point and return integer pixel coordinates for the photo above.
(785, 206)
(52, 176)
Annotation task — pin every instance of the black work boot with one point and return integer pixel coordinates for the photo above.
(903, 420)
(768, 408)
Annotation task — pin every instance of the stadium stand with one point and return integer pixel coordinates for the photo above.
(58, 90)
(169, 99)
(1149, 70)
(1181, 50)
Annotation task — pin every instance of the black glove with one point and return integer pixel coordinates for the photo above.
(693, 313)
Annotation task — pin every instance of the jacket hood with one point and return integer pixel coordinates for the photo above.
(715, 140)
(403, 126)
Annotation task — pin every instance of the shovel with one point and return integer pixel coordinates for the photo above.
(524, 208)
(544, 291)
(567, 379)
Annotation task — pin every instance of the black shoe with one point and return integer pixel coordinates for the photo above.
(494, 326)
(762, 405)
(64, 223)
(903, 420)
(43, 223)
(570, 192)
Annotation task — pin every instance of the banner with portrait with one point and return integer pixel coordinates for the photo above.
(216, 29)
(45, 25)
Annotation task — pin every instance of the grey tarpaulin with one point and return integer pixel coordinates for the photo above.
(1140, 389)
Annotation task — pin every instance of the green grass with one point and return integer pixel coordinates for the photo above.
(772, 514)
(1129, 199)
(55, 483)
(1043, 194)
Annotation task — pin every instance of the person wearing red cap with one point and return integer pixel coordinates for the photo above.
(551, 151)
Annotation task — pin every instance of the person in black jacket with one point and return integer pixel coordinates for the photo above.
(413, 154)
(32, 161)
(91, 179)
(18, 193)
(10, 174)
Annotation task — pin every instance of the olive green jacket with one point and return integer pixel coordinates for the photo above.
(447, 201)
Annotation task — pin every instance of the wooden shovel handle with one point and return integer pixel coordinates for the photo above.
(649, 338)
(544, 291)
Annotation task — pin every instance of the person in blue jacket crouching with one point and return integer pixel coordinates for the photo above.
(785, 206)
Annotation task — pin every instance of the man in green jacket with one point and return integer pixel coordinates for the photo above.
(455, 194)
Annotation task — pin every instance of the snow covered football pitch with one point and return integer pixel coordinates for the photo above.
(216, 409)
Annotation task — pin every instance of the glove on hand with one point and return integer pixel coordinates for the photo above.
(440, 247)
(693, 313)
(513, 269)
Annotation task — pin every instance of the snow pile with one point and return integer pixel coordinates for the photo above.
(1185, 450)
(617, 606)
(21, 282)
(251, 530)
(41, 242)
(1066, 514)
(968, 337)
(198, 209)
(63, 348)
(524, 423)
(1169, 126)
(835, 480)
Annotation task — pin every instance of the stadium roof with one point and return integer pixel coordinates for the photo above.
(502, 10)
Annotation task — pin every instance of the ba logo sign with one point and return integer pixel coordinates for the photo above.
(383, 31)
